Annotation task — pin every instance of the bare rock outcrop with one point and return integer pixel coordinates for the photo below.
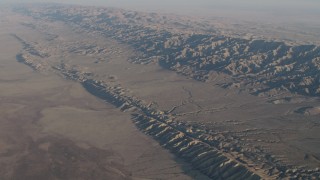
(262, 66)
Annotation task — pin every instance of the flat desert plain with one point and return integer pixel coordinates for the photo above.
(51, 128)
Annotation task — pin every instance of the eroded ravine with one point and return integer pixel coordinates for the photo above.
(231, 143)
(256, 65)
(156, 123)
(181, 139)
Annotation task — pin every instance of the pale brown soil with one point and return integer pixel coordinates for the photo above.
(51, 128)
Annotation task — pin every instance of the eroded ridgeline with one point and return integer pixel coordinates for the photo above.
(173, 135)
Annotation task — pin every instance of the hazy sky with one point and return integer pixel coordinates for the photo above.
(156, 4)
(242, 3)
(272, 9)
(315, 4)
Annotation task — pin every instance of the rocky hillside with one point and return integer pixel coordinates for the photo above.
(195, 50)
(192, 49)
(215, 155)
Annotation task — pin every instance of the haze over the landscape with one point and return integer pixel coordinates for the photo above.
(287, 7)
(305, 13)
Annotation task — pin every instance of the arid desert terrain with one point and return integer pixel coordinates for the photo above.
(106, 93)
